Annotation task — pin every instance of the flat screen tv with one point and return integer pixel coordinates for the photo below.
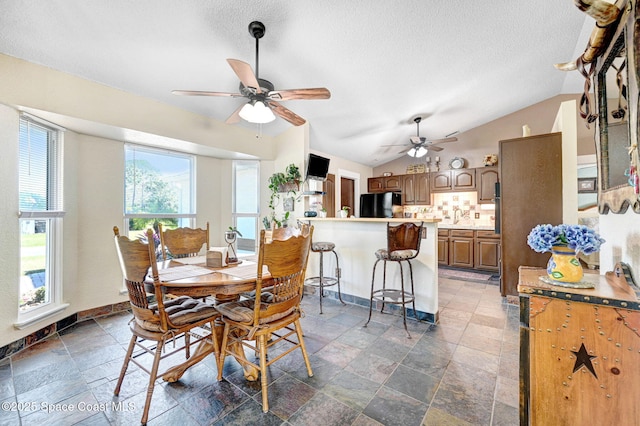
(317, 167)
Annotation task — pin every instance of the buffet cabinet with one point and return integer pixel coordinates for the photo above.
(468, 248)
(579, 350)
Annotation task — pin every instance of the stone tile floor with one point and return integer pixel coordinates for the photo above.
(462, 371)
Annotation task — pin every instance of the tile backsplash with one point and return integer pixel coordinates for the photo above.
(455, 207)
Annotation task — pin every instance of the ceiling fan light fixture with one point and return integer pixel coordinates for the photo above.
(417, 152)
(257, 112)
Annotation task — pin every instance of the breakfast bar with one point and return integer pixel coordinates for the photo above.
(357, 240)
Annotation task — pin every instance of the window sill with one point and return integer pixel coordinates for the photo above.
(39, 317)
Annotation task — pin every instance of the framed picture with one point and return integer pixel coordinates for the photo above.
(586, 185)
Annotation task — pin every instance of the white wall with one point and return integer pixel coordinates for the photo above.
(93, 202)
(9, 231)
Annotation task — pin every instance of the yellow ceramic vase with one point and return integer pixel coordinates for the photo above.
(563, 265)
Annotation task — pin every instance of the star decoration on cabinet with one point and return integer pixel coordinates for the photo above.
(584, 359)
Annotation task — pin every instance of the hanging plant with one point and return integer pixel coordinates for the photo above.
(287, 183)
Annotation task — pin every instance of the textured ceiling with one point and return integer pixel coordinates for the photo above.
(459, 64)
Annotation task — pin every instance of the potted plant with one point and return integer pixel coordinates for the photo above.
(344, 212)
(272, 221)
(287, 182)
(323, 212)
(231, 233)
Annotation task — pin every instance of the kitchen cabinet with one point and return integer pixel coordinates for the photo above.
(443, 247)
(487, 250)
(415, 189)
(486, 179)
(468, 248)
(384, 183)
(461, 248)
(579, 350)
(453, 180)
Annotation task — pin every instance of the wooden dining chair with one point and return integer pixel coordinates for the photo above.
(262, 322)
(183, 242)
(156, 323)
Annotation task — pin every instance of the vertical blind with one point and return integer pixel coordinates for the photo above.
(40, 186)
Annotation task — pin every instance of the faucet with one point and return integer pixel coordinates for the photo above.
(456, 217)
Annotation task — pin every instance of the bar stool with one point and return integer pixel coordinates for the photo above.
(321, 281)
(403, 244)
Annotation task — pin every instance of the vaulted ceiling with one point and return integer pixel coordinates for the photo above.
(459, 64)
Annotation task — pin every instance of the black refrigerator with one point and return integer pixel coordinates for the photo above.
(379, 204)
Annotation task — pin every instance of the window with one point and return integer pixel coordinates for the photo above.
(40, 198)
(158, 188)
(246, 203)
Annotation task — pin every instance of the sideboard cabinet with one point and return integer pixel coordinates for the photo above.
(579, 350)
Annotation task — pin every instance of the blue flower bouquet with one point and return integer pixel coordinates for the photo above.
(577, 237)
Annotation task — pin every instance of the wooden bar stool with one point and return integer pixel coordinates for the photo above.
(321, 281)
(403, 244)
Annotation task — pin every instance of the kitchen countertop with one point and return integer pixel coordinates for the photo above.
(482, 227)
(370, 219)
(441, 225)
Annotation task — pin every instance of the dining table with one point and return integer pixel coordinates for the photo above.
(190, 276)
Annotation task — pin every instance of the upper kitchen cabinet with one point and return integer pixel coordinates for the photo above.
(453, 180)
(384, 183)
(487, 178)
(415, 189)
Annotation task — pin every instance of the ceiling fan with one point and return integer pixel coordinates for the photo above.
(420, 145)
(263, 99)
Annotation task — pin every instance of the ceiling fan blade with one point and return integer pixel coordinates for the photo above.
(201, 93)
(291, 94)
(235, 116)
(287, 114)
(452, 139)
(245, 74)
(433, 148)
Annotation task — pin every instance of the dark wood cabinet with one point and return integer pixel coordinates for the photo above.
(415, 189)
(453, 180)
(461, 248)
(531, 194)
(384, 183)
(443, 247)
(463, 180)
(393, 183)
(487, 251)
(375, 184)
(486, 179)
(467, 248)
(440, 181)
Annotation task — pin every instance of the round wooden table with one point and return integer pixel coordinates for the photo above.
(224, 284)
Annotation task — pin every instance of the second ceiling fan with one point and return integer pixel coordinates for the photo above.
(420, 145)
(263, 98)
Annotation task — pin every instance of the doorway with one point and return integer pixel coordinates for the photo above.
(347, 197)
(329, 197)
